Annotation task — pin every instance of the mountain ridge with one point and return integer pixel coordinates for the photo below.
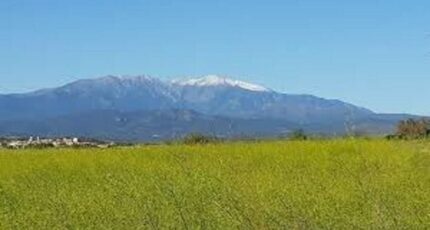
(213, 96)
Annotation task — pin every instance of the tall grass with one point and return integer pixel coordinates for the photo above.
(341, 184)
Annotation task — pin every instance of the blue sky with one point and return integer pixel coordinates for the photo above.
(371, 53)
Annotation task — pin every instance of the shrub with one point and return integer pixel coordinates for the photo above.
(413, 129)
(196, 138)
(41, 146)
(298, 135)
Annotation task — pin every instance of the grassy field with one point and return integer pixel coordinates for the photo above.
(337, 184)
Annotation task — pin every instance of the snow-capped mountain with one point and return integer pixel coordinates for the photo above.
(218, 81)
(228, 97)
(211, 96)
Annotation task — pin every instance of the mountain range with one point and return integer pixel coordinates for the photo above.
(143, 108)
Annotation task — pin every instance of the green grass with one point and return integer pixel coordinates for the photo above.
(337, 184)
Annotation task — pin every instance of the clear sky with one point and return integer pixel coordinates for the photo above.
(371, 53)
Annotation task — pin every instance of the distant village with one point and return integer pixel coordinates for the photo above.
(38, 142)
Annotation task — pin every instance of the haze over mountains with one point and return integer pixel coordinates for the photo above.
(144, 108)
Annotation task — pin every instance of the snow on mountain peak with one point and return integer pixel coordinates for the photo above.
(215, 80)
(125, 78)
